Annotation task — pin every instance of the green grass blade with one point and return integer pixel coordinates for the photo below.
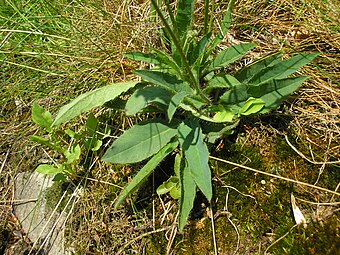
(197, 155)
(90, 100)
(230, 55)
(145, 172)
(282, 69)
(143, 97)
(188, 193)
(140, 142)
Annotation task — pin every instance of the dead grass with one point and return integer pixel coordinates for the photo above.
(114, 27)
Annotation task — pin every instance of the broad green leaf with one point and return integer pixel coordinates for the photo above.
(48, 169)
(282, 69)
(174, 103)
(143, 97)
(42, 117)
(222, 81)
(275, 91)
(188, 193)
(214, 133)
(145, 172)
(90, 100)
(230, 55)
(250, 70)
(252, 105)
(235, 95)
(197, 155)
(140, 142)
(184, 16)
(166, 186)
(167, 62)
(146, 57)
(199, 50)
(224, 115)
(73, 155)
(164, 80)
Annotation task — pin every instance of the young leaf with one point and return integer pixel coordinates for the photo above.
(166, 186)
(164, 80)
(252, 105)
(230, 55)
(143, 97)
(282, 69)
(224, 115)
(73, 155)
(250, 70)
(174, 103)
(184, 17)
(188, 193)
(44, 141)
(196, 154)
(90, 100)
(145, 172)
(140, 142)
(48, 169)
(42, 117)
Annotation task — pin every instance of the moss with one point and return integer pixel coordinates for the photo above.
(55, 193)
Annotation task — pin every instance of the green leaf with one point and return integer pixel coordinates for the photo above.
(275, 91)
(230, 55)
(90, 100)
(164, 80)
(73, 155)
(184, 16)
(252, 105)
(221, 81)
(48, 169)
(140, 142)
(175, 192)
(196, 154)
(44, 141)
(166, 186)
(42, 117)
(91, 124)
(167, 62)
(224, 115)
(145, 172)
(174, 103)
(146, 57)
(250, 70)
(143, 97)
(282, 69)
(188, 193)
(235, 95)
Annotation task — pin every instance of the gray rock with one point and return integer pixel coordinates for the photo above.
(44, 228)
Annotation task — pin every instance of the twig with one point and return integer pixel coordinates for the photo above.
(213, 230)
(304, 157)
(278, 240)
(275, 176)
(141, 236)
